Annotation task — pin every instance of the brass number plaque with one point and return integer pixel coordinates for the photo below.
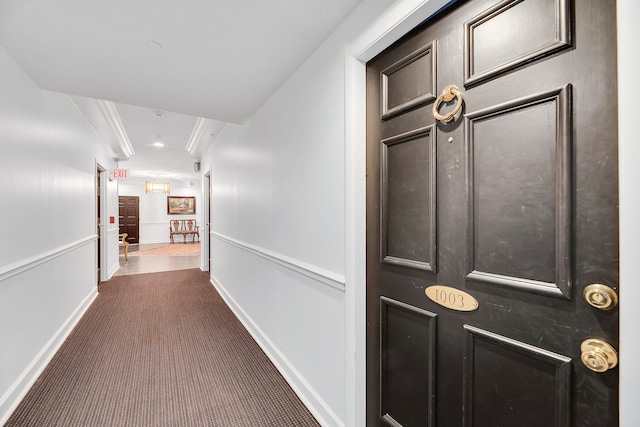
(451, 298)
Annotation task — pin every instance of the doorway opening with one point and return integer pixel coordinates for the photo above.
(207, 217)
(100, 213)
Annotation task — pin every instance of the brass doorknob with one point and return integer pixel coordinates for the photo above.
(597, 355)
(600, 296)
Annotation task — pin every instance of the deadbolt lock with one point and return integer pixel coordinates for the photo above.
(597, 355)
(600, 296)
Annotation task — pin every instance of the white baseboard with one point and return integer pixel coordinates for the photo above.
(10, 400)
(311, 399)
(155, 242)
(113, 270)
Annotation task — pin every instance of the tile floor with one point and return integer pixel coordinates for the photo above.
(153, 263)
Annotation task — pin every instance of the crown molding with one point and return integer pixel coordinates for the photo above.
(111, 115)
(105, 119)
(198, 132)
(204, 133)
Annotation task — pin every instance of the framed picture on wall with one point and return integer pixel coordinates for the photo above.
(177, 205)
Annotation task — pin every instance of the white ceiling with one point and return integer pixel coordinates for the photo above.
(213, 59)
(172, 162)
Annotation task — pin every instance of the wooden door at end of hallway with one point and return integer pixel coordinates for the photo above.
(492, 235)
(128, 215)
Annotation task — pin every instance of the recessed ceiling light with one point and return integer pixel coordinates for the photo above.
(158, 144)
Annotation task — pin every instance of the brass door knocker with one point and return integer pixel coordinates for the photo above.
(448, 94)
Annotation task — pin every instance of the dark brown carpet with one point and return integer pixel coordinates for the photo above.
(160, 349)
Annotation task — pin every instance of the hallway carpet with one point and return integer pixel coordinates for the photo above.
(160, 349)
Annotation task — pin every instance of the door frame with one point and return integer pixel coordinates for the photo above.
(103, 258)
(396, 21)
(206, 218)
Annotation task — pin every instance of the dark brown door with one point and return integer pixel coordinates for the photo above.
(128, 210)
(510, 207)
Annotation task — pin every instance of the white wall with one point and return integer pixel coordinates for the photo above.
(278, 229)
(154, 220)
(48, 250)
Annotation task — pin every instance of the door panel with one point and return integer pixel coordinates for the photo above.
(512, 33)
(514, 202)
(491, 395)
(129, 209)
(407, 368)
(408, 199)
(518, 192)
(419, 67)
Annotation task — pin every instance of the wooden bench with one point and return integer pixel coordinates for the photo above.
(184, 227)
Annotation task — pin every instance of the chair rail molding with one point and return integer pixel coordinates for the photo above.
(329, 278)
(31, 262)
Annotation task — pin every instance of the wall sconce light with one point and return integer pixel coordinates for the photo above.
(157, 187)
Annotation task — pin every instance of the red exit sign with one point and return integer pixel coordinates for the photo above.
(120, 174)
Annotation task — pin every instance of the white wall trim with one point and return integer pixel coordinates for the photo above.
(165, 223)
(205, 215)
(111, 115)
(114, 270)
(311, 399)
(204, 133)
(115, 232)
(392, 25)
(12, 397)
(157, 242)
(103, 226)
(34, 261)
(321, 275)
(355, 244)
(629, 176)
(105, 120)
(198, 132)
